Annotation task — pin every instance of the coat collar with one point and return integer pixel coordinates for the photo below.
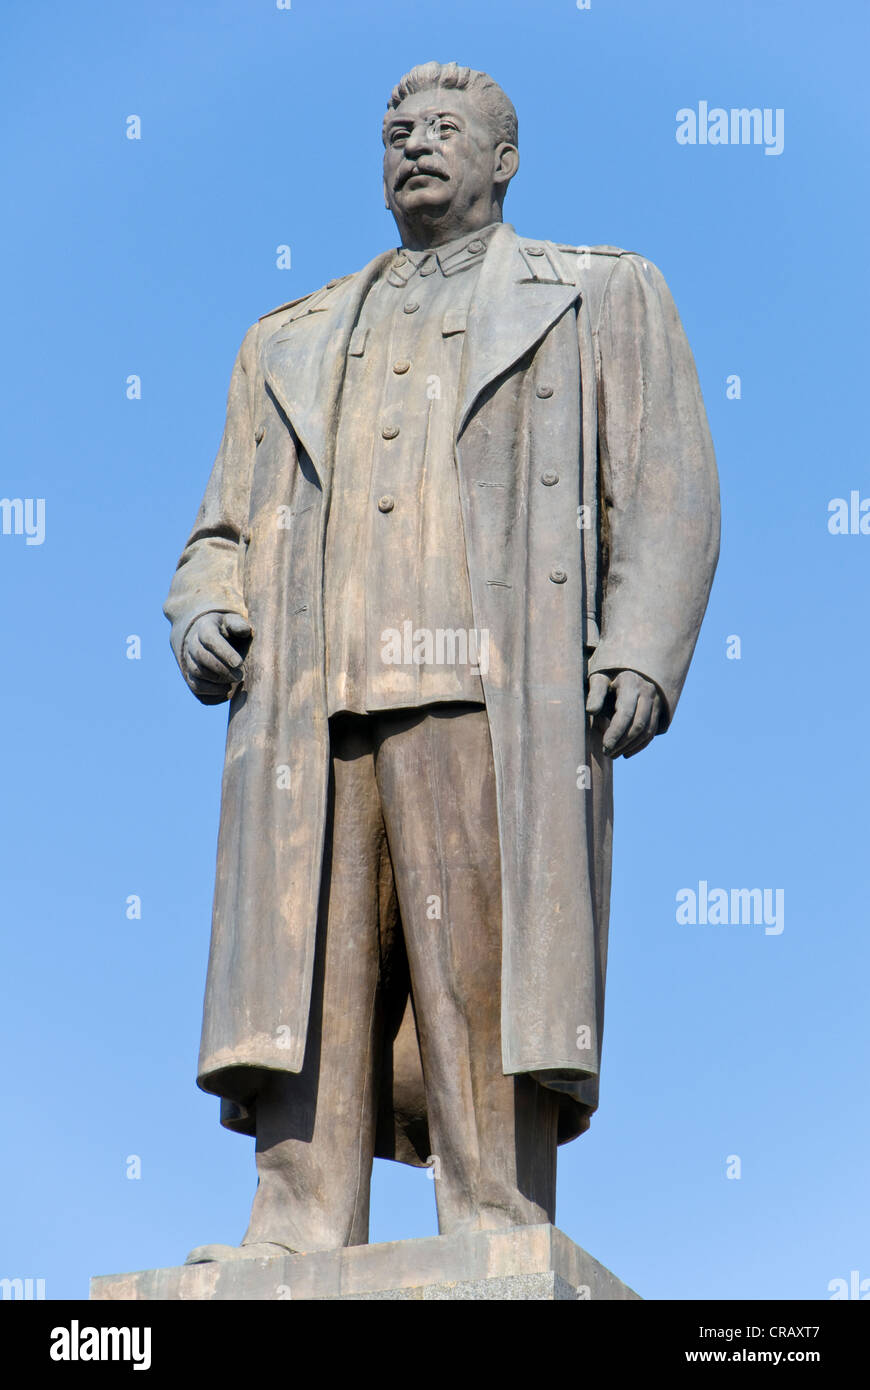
(522, 289)
(304, 359)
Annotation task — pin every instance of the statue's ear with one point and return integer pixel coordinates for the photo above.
(507, 162)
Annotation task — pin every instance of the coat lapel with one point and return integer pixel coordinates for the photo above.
(521, 291)
(304, 359)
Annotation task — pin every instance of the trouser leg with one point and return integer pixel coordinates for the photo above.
(493, 1137)
(315, 1129)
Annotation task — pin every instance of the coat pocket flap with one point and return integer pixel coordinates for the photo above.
(454, 322)
(357, 345)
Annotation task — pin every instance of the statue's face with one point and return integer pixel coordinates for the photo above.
(440, 156)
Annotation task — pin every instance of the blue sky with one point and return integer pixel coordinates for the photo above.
(261, 127)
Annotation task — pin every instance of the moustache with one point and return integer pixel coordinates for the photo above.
(433, 171)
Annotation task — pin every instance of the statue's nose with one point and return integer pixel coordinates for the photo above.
(420, 141)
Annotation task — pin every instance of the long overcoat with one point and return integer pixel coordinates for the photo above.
(591, 519)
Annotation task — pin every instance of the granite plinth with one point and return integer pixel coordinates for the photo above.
(522, 1262)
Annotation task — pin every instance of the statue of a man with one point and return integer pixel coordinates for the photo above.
(452, 560)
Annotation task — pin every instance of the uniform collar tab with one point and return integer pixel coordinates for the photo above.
(452, 256)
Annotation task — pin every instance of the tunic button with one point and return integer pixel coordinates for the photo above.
(549, 479)
(544, 392)
(401, 366)
(411, 307)
(389, 431)
(258, 433)
(386, 503)
(535, 250)
(474, 246)
(558, 576)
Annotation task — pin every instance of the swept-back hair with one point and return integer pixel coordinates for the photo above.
(495, 104)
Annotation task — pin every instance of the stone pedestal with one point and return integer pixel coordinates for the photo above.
(527, 1262)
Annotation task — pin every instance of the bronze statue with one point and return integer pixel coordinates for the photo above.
(452, 560)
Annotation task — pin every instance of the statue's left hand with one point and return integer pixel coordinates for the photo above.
(631, 707)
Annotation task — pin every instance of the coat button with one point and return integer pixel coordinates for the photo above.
(401, 366)
(535, 250)
(389, 431)
(475, 246)
(386, 503)
(258, 433)
(544, 392)
(411, 306)
(558, 576)
(549, 479)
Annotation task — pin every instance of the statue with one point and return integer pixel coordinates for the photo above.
(451, 562)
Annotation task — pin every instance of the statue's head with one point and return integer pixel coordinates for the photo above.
(450, 151)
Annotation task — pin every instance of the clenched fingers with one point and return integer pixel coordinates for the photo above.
(643, 726)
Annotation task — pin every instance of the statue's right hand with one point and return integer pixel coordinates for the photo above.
(209, 657)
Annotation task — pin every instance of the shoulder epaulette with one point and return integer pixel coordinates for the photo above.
(291, 303)
(592, 250)
(279, 308)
